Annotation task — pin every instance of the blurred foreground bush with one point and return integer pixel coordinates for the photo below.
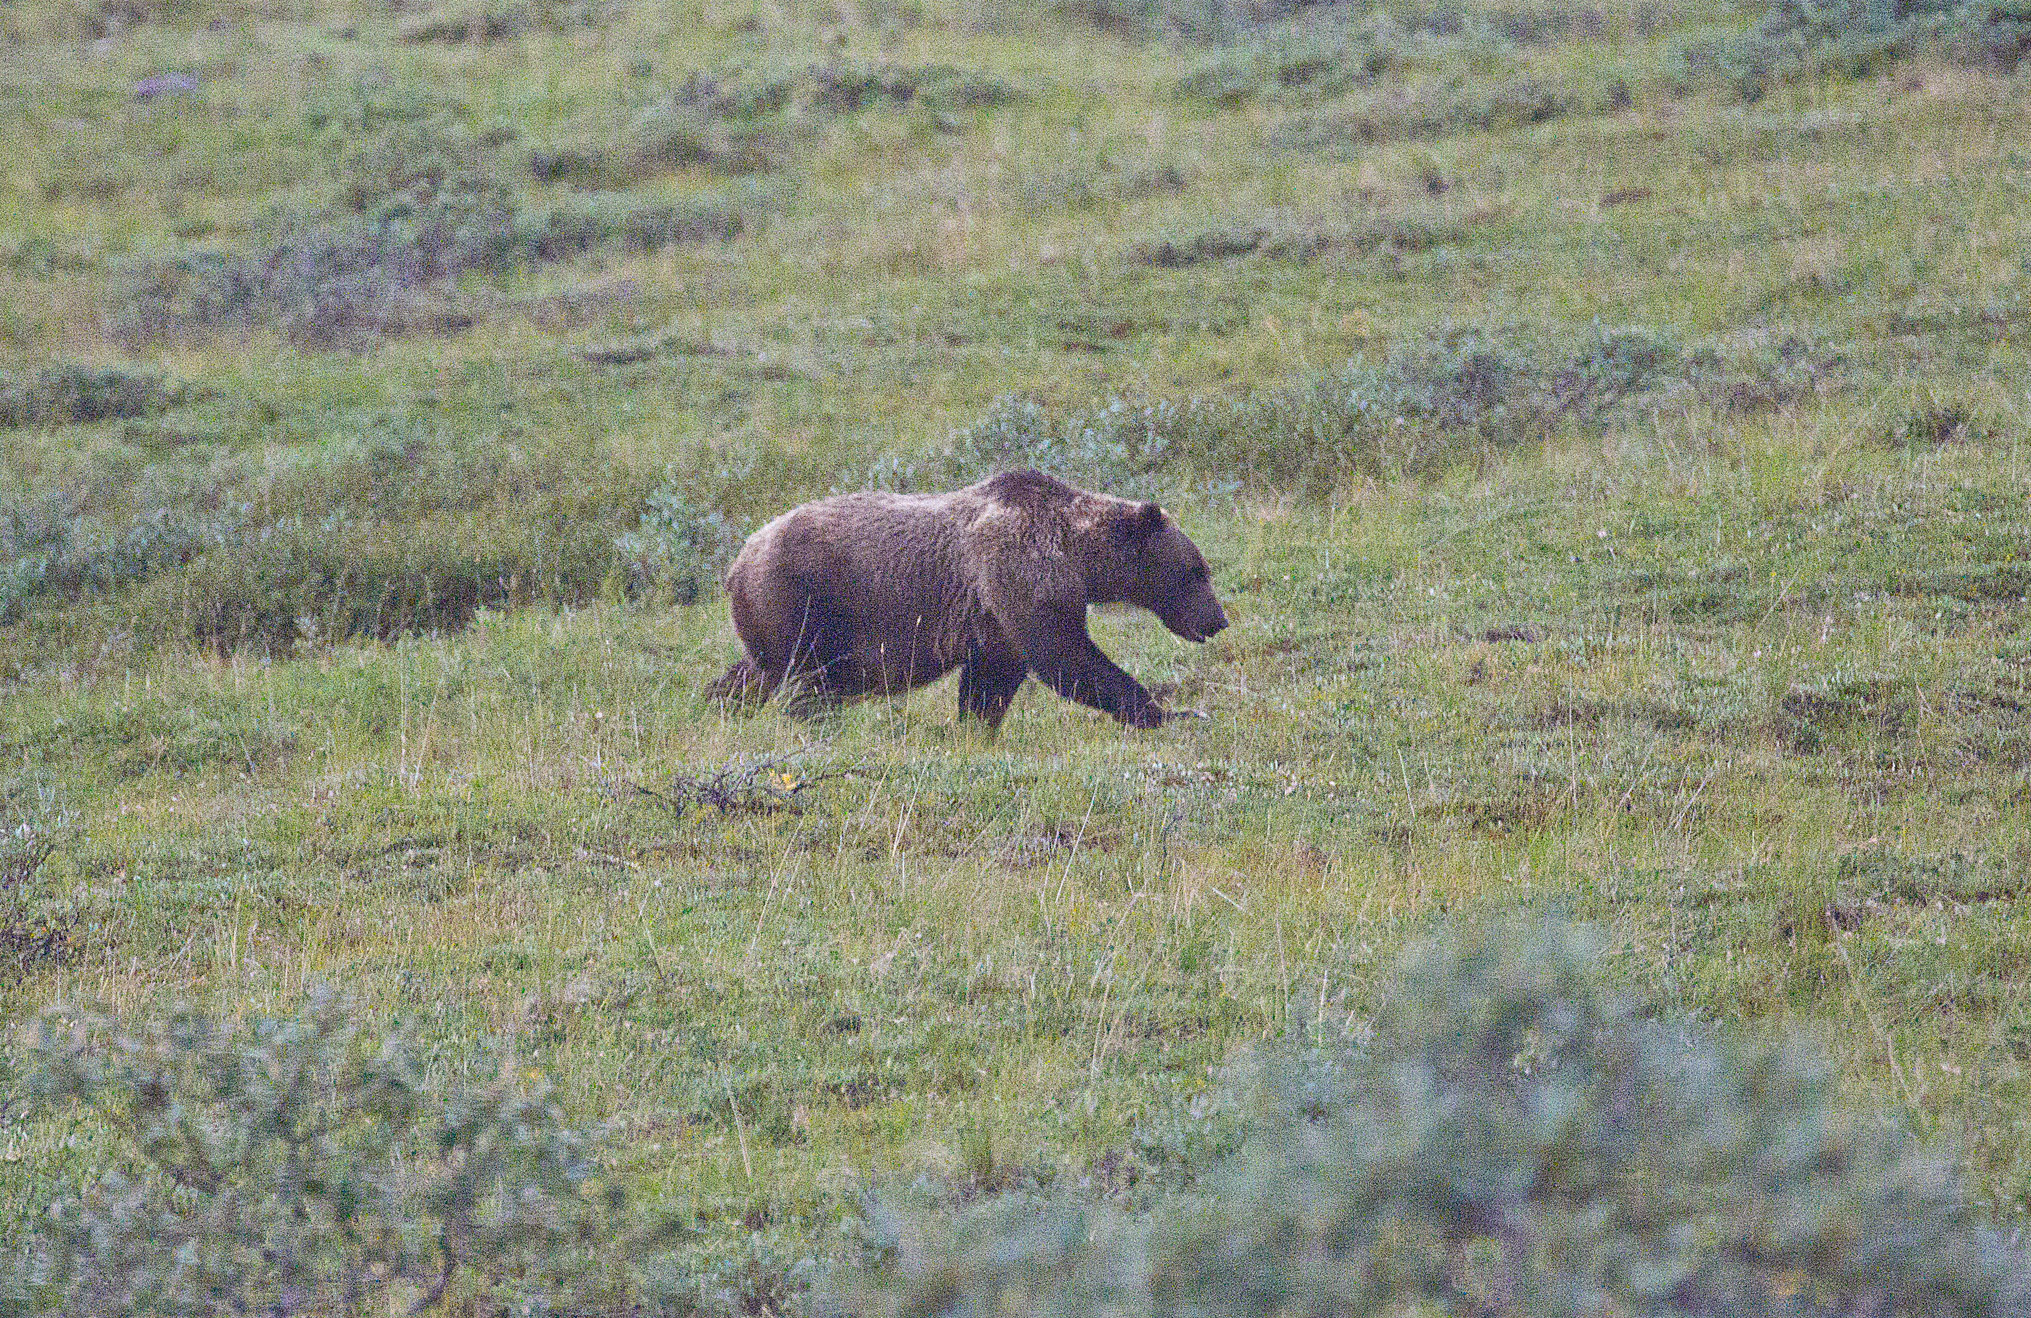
(305, 1165)
(1508, 1138)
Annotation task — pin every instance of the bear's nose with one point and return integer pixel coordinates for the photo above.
(1218, 625)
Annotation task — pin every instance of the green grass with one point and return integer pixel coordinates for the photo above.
(1734, 672)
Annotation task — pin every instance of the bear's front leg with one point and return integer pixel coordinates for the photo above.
(1059, 651)
(988, 682)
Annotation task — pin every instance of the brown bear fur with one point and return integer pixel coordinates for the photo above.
(867, 594)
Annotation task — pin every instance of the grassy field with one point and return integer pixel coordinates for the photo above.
(1612, 469)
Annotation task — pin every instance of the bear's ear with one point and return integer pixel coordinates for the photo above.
(1138, 523)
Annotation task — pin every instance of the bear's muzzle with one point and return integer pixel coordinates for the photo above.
(1201, 628)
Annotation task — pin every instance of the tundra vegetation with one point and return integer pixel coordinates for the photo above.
(1605, 424)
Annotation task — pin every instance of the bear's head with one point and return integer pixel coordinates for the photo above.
(1166, 574)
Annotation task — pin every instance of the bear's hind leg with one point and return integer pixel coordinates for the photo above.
(809, 694)
(746, 683)
(821, 672)
(988, 682)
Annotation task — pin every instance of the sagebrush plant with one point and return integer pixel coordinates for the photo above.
(307, 1164)
(1507, 1135)
(35, 928)
(32, 820)
(678, 550)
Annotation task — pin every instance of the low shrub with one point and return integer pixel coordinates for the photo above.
(679, 549)
(748, 120)
(1542, 25)
(1506, 1136)
(645, 228)
(841, 87)
(1937, 425)
(695, 521)
(155, 297)
(1766, 374)
(1200, 20)
(388, 523)
(465, 22)
(1354, 47)
(558, 232)
(1421, 407)
(34, 928)
(1309, 63)
(31, 823)
(71, 394)
(1084, 186)
(746, 784)
(291, 582)
(849, 88)
(1214, 244)
(1442, 108)
(95, 558)
(32, 530)
(412, 164)
(1116, 447)
(671, 135)
(1798, 39)
(1295, 236)
(336, 284)
(393, 466)
(95, 20)
(421, 206)
(309, 1164)
(498, 514)
(21, 580)
(581, 164)
(48, 547)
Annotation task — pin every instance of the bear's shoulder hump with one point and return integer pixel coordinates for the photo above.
(1028, 489)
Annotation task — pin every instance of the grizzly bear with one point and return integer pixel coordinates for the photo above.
(869, 594)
